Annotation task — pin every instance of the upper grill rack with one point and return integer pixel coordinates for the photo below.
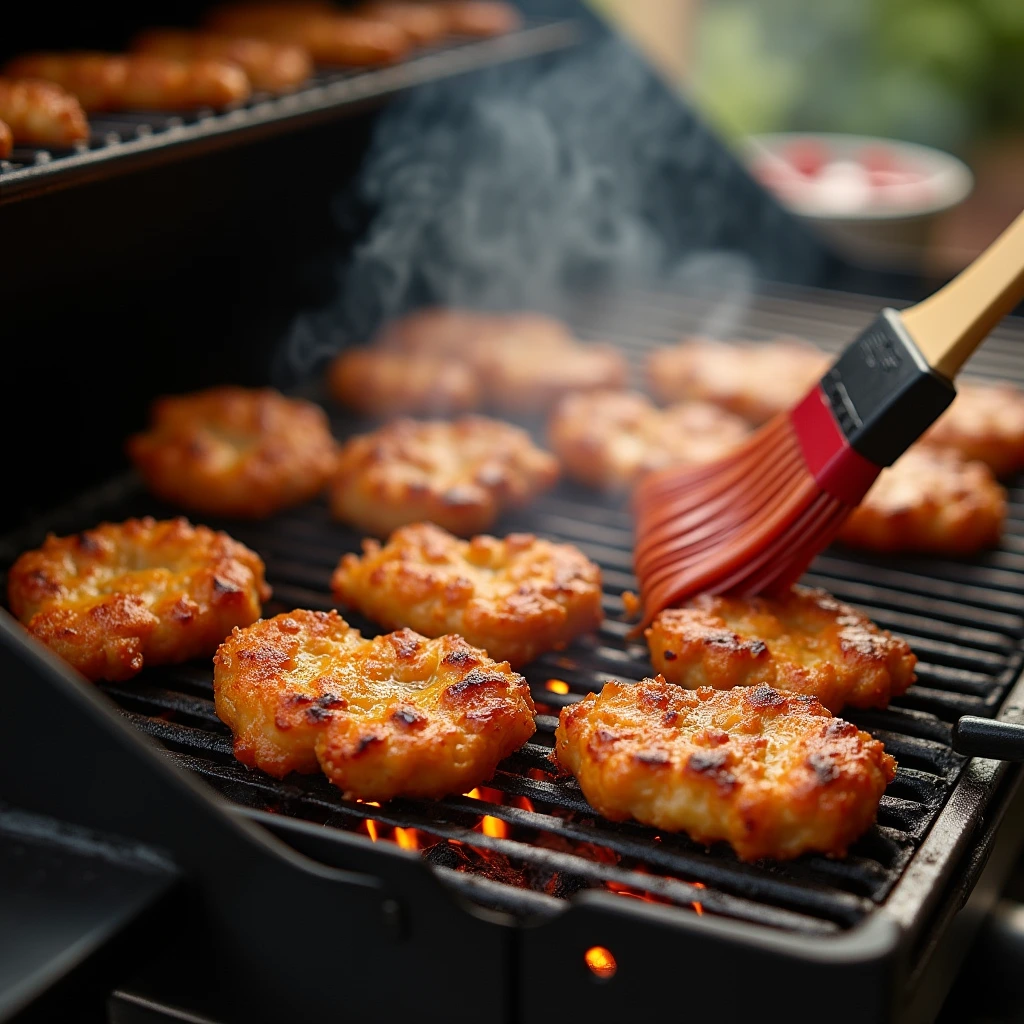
(121, 141)
(965, 619)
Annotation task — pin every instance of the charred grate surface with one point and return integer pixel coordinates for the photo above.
(119, 141)
(529, 838)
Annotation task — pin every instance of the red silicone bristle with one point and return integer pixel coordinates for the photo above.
(748, 524)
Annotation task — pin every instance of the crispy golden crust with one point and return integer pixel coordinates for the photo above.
(530, 376)
(275, 67)
(399, 715)
(108, 81)
(459, 475)
(41, 113)
(516, 598)
(805, 642)
(423, 23)
(771, 773)
(123, 594)
(383, 382)
(930, 500)
(984, 423)
(235, 452)
(753, 380)
(609, 439)
(330, 37)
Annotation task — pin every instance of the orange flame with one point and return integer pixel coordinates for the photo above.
(489, 825)
(696, 904)
(407, 838)
(494, 827)
(557, 686)
(371, 828)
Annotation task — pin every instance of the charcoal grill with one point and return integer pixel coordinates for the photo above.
(511, 886)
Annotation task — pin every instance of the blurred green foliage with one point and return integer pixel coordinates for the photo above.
(947, 73)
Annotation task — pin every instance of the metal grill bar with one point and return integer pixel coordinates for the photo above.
(965, 619)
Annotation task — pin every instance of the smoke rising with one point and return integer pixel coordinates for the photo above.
(531, 185)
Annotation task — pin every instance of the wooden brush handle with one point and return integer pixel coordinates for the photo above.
(949, 325)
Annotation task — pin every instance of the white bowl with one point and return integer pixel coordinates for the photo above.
(884, 223)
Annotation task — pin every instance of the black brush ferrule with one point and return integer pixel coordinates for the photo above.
(883, 393)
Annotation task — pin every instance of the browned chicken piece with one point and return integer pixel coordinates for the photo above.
(771, 773)
(126, 595)
(398, 715)
(330, 38)
(440, 330)
(271, 66)
(423, 23)
(104, 81)
(6, 141)
(383, 382)
(516, 598)
(234, 451)
(753, 380)
(41, 113)
(610, 439)
(525, 362)
(459, 475)
(524, 376)
(985, 422)
(479, 17)
(930, 500)
(804, 642)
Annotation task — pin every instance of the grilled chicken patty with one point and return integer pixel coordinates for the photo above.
(384, 382)
(399, 715)
(516, 598)
(805, 642)
(771, 773)
(524, 362)
(123, 594)
(459, 475)
(753, 380)
(930, 500)
(234, 451)
(986, 423)
(610, 439)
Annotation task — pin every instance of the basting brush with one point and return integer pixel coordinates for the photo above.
(752, 522)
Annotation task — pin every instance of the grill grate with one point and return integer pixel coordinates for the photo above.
(119, 141)
(540, 841)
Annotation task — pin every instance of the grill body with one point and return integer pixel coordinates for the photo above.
(188, 272)
(871, 925)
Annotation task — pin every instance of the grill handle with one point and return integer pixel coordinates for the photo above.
(985, 737)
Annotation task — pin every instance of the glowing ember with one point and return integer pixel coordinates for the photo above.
(626, 890)
(371, 828)
(696, 905)
(557, 686)
(524, 802)
(601, 962)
